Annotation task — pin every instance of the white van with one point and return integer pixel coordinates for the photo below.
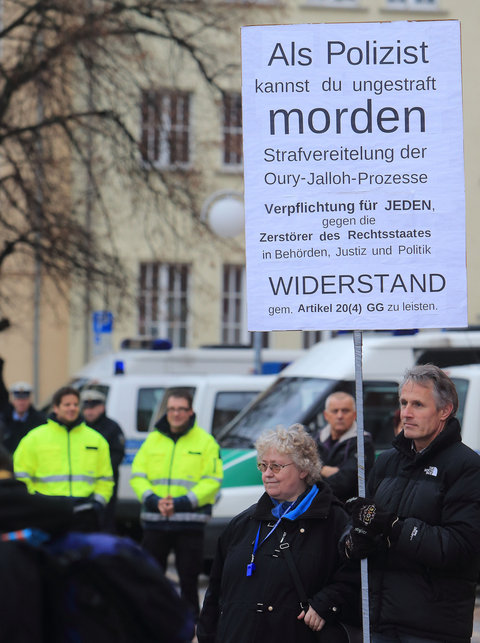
(467, 383)
(299, 392)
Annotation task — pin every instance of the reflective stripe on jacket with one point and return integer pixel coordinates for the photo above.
(57, 462)
(190, 466)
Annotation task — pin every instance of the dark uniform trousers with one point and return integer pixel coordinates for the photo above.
(187, 545)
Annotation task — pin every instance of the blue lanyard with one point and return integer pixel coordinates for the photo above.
(257, 545)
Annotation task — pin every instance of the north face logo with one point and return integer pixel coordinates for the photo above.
(431, 471)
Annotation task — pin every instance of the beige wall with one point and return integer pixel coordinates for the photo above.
(17, 343)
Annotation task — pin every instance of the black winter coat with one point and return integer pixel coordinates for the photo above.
(424, 584)
(343, 454)
(22, 589)
(12, 431)
(265, 606)
(113, 434)
(20, 509)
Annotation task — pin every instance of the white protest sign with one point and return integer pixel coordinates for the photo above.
(354, 180)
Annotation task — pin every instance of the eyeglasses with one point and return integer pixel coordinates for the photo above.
(276, 468)
(180, 409)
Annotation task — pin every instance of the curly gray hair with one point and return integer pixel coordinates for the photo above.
(296, 443)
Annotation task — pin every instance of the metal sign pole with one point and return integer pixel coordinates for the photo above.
(357, 344)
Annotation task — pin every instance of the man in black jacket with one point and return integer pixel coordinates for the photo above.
(420, 524)
(337, 445)
(93, 408)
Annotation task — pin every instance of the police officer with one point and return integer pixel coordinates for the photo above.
(18, 416)
(176, 474)
(65, 457)
(93, 408)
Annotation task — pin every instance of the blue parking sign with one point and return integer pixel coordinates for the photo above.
(102, 321)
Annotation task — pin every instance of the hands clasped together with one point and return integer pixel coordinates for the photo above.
(166, 506)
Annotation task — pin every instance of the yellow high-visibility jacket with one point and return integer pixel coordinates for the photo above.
(190, 466)
(55, 461)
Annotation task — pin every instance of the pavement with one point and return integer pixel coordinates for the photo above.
(203, 582)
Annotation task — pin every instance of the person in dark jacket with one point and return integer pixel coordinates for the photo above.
(420, 524)
(18, 416)
(93, 408)
(22, 590)
(337, 444)
(252, 596)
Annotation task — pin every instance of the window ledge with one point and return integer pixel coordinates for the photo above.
(230, 169)
(416, 10)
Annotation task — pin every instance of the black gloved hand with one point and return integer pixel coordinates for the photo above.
(358, 545)
(368, 518)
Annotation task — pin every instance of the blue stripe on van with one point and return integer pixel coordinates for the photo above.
(131, 447)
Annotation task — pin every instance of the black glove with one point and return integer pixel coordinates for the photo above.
(151, 503)
(368, 518)
(358, 545)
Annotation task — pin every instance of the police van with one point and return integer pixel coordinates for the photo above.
(156, 356)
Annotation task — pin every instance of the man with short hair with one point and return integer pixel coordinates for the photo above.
(420, 524)
(65, 457)
(93, 408)
(18, 416)
(176, 475)
(337, 445)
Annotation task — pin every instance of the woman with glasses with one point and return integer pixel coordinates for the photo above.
(253, 594)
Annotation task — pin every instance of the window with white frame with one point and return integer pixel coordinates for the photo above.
(163, 301)
(232, 129)
(234, 322)
(412, 4)
(165, 127)
(234, 314)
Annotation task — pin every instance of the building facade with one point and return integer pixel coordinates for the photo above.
(186, 281)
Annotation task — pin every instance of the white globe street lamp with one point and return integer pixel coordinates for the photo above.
(225, 213)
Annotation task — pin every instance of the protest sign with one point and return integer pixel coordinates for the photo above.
(354, 179)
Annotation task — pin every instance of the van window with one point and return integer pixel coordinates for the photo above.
(454, 356)
(380, 401)
(287, 401)
(148, 401)
(227, 405)
(462, 389)
(302, 399)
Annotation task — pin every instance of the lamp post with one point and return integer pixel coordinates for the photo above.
(224, 212)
